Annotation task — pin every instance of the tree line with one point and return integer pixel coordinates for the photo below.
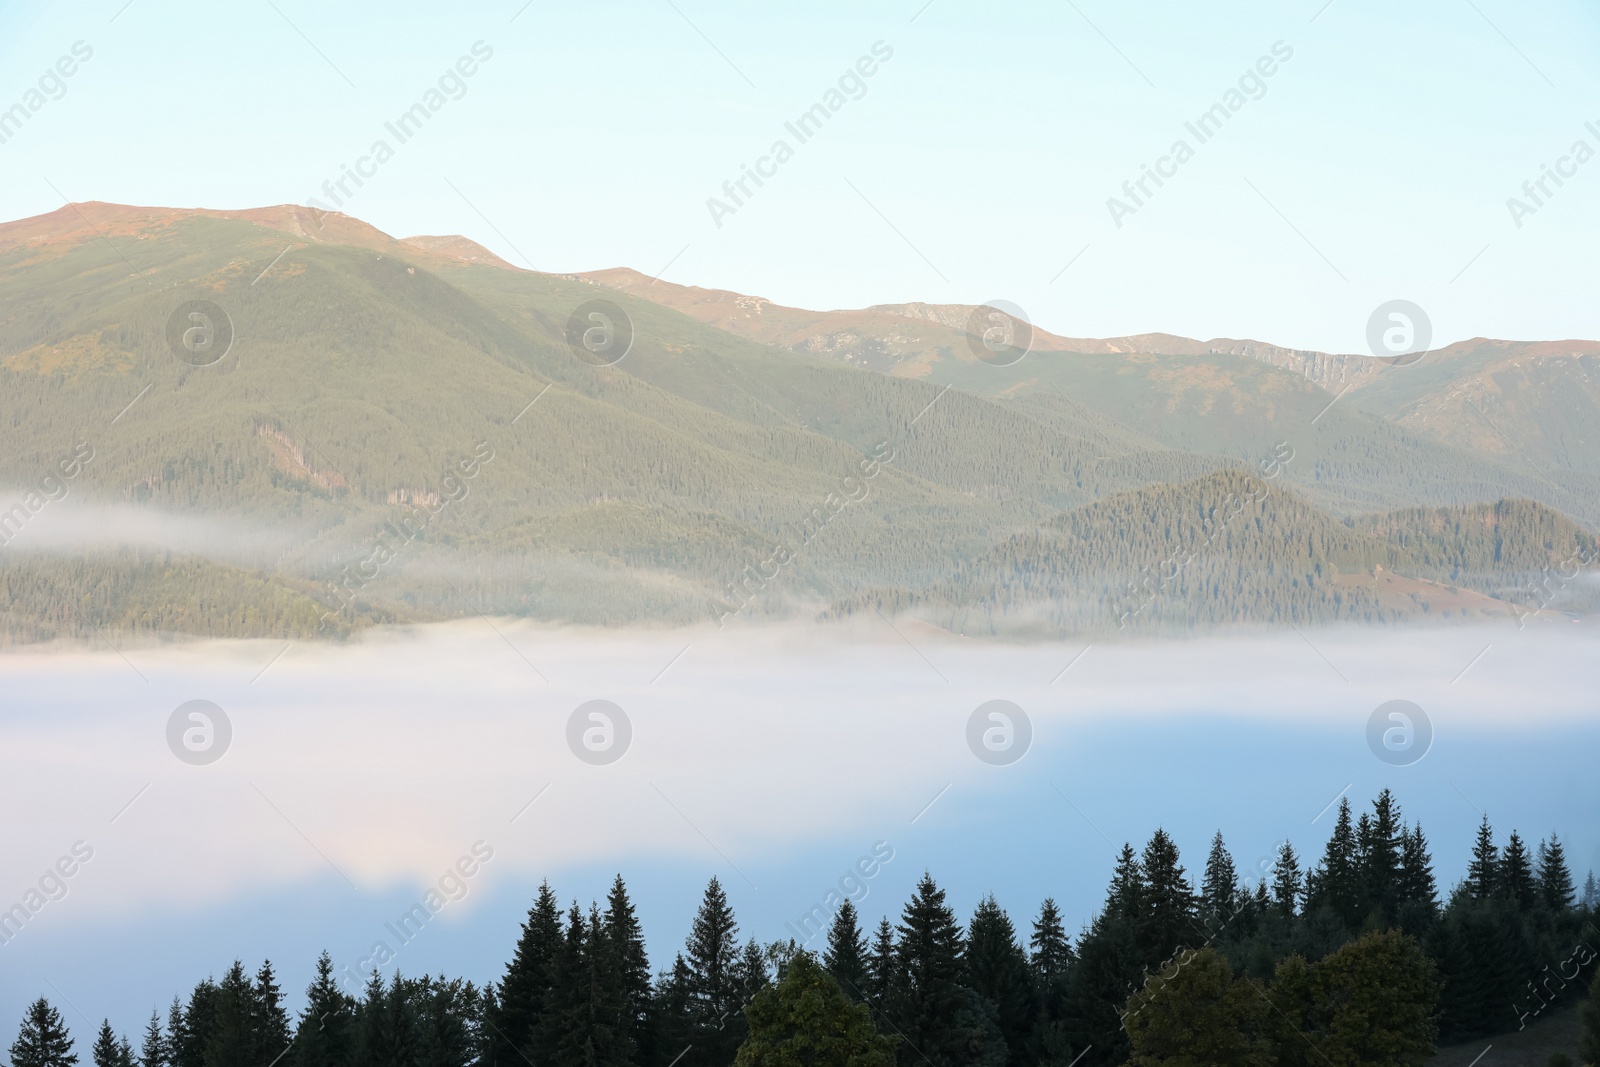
(1352, 959)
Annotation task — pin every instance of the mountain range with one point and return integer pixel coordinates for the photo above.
(385, 430)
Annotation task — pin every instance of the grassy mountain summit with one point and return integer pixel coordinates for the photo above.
(407, 428)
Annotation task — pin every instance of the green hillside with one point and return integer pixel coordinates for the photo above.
(412, 429)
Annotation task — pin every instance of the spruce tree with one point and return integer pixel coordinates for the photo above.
(1168, 919)
(942, 1022)
(1381, 857)
(881, 969)
(712, 953)
(1125, 899)
(1418, 893)
(124, 1052)
(386, 1030)
(42, 1040)
(153, 1049)
(1483, 872)
(622, 929)
(233, 1040)
(174, 1031)
(1516, 874)
(1050, 958)
(326, 1034)
(1217, 888)
(269, 1022)
(105, 1051)
(846, 954)
(1335, 885)
(1287, 884)
(995, 967)
(1591, 893)
(1555, 880)
(190, 1041)
(522, 991)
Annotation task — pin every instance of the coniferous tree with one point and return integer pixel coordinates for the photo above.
(42, 1040)
(444, 1012)
(106, 1052)
(1287, 884)
(269, 1023)
(943, 1023)
(995, 967)
(622, 929)
(1050, 958)
(712, 954)
(520, 997)
(846, 954)
(1516, 874)
(386, 1032)
(233, 1039)
(1555, 880)
(1335, 885)
(1125, 899)
(1591, 893)
(124, 1052)
(153, 1049)
(1218, 888)
(881, 969)
(1418, 893)
(1483, 873)
(1167, 921)
(1380, 850)
(190, 1041)
(326, 1034)
(673, 1013)
(174, 1038)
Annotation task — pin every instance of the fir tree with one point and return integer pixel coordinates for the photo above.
(1167, 921)
(106, 1052)
(42, 1040)
(846, 955)
(1125, 898)
(942, 1022)
(526, 983)
(712, 953)
(1217, 888)
(626, 936)
(153, 1049)
(190, 1041)
(881, 968)
(1050, 958)
(1555, 880)
(233, 1040)
(1591, 893)
(1418, 893)
(1335, 886)
(1516, 874)
(1483, 873)
(995, 967)
(326, 1034)
(174, 1031)
(269, 1022)
(1050, 953)
(1287, 885)
(1380, 851)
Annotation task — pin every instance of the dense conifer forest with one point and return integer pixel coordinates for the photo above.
(1357, 957)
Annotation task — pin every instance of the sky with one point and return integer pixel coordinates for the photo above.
(975, 163)
(773, 758)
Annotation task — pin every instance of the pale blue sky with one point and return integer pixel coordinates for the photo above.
(991, 141)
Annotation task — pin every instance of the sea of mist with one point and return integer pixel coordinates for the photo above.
(771, 757)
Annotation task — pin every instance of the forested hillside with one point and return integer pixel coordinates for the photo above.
(407, 434)
(1352, 959)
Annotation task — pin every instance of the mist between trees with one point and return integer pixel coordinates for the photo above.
(1354, 960)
